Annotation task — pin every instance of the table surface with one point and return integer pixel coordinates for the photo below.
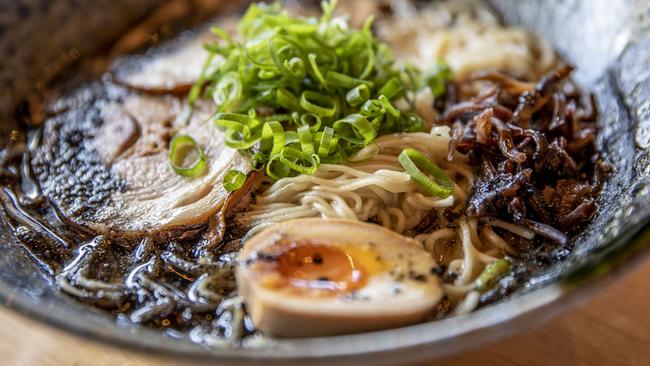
(612, 328)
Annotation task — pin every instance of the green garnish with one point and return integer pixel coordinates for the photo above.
(233, 180)
(358, 95)
(306, 140)
(332, 88)
(491, 274)
(414, 162)
(326, 142)
(319, 104)
(181, 148)
(437, 78)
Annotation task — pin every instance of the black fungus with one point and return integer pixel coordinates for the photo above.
(533, 148)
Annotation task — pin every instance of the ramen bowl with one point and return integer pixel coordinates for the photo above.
(612, 55)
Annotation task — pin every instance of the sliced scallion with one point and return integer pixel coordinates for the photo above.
(326, 142)
(491, 274)
(233, 180)
(306, 141)
(294, 92)
(239, 129)
(276, 169)
(272, 140)
(390, 109)
(437, 78)
(316, 69)
(345, 81)
(355, 128)
(181, 148)
(419, 167)
(391, 89)
(318, 104)
(373, 108)
(228, 92)
(286, 99)
(296, 67)
(357, 95)
(291, 138)
(299, 161)
(312, 120)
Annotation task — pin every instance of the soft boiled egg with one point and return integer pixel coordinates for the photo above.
(316, 277)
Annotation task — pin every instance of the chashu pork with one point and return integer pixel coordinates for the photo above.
(174, 66)
(103, 161)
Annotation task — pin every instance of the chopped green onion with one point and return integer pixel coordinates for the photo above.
(413, 123)
(369, 53)
(393, 88)
(326, 142)
(255, 53)
(299, 161)
(317, 103)
(357, 95)
(413, 161)
(367, 25)
(266, 74)
(296, 67)
(195, 92)
(236, 140)
(233, 180)
(222, 34)
(228, 92)
(306, 142)
(346, 81)
(376, 122)
(388, 106)
(284, 56)
(355, 128)
(294, 92)
(373, 108)
(336, 157)
(258, 161)
(238, 129)
(286, 99)
(491, 274)
(278, 117)
(272, 140)
(233, 121)
(328, 9)
(223, 119)
(314, 124)
(301, 29)
(437, 78)
(291, 138)
(316, 69)
(276, 169)
(180, 148)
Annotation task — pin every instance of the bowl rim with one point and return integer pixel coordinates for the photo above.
(413, 343)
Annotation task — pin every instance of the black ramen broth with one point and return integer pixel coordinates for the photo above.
(67, 177)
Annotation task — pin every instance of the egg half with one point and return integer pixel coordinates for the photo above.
(316, 277)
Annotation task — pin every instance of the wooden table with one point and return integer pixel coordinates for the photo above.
(613, 328)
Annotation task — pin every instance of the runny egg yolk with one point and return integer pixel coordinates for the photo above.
(320, 268)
